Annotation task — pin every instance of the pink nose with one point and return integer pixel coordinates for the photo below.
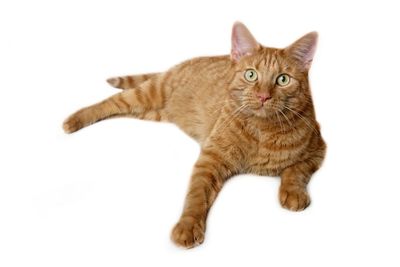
(263, 97)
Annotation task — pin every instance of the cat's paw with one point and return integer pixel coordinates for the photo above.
(188, 232)
(72, 124)
(294, 198)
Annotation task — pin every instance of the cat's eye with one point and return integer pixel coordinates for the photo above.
(283, 80)
(251, 75)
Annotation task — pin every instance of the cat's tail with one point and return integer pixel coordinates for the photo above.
(130, 81)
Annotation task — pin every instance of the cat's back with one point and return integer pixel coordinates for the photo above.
(199, 88)
(201, 72)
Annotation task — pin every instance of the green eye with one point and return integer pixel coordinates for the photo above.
(250, 75)
(283, 80)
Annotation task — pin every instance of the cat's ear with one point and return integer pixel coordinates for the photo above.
(243, 43)
(302, 51)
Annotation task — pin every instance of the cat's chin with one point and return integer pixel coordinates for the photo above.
(263, 112)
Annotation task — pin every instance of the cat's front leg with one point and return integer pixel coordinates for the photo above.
(293, 193)
(210, 172)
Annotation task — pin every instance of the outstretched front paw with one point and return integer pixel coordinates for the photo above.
(188, 232)
(72, 124)
(294, 198)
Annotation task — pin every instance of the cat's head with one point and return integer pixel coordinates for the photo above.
(270, 81)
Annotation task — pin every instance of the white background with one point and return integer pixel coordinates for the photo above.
(109, 194)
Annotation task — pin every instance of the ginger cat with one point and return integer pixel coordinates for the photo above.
(251, 111)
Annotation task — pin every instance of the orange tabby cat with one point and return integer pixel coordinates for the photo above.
(251, 112)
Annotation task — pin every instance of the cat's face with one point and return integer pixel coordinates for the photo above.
(270, 82)
(267, 84)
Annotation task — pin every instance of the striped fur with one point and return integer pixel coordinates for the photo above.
(130, 81)
(239, 132)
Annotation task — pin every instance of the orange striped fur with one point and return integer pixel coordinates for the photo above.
(240, 109)
(130, 81)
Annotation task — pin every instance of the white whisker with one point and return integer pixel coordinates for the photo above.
(302, 118)
(280, 123)
(234, 115)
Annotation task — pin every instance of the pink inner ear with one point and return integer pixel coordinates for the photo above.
(243, 43)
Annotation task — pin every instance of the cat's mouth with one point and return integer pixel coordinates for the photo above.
(263, 110)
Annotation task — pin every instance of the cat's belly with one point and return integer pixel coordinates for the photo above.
(188, 109)
(195, 111)
(195, 123)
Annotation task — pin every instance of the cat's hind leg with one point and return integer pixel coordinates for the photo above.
(130, 81)
(146, 101)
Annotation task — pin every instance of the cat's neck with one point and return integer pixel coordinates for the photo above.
(280, 123)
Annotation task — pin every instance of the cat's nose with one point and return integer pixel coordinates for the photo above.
(263, 97)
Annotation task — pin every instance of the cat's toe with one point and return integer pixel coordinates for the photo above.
(188, 232)
(72, 124)
(294, 198)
